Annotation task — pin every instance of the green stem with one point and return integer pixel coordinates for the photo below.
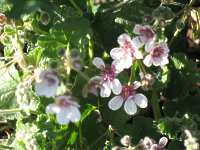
(7, 111)
(141, 66)
(77, 7)
(155, 105)
(132, 75)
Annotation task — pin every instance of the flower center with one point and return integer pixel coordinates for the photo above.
(157, 52)
(62, 103)
(50, 79)
(146, 32)
(128, 47)
(108, 73)
(127, 90)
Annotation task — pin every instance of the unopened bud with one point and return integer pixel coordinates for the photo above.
(147, 82)
(126, 140)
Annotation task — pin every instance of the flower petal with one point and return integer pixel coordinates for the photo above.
(62, 116)
(138, 54)
(116, 86)
(137, 42)
(44, 89)
(105, 91)
(140, 100)
(116, 53)
(137, 29)
(164, 61)
(115, 103)
(157, 61)
(52, 108)
(98, 62)
(127, 62)
(74, 114)
(163, 142)
(149, 46)
(148, 61)
(118, 63)
(136, 84)
(129, 106)
(122, 38)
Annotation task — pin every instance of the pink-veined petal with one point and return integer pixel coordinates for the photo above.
(149, 46)
(52, 108)
(118, 65)
(105, 91)
(116, 86)
(157, 61)
(98, 62)
(116, 53)
(148, 61)
(140, 100)
(122, 38)
(62, 116)
(130, 106)
(44, 89)
(115, 103)
(127, 62)
(74, 114)
(164, 61)
(137, 42)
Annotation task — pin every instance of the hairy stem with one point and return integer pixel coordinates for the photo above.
(155, 105)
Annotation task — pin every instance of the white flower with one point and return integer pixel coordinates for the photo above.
(46, 83)
(149, 144)
(161, 144)
(145, 34)
(107, 81)
(125, 54)
(157, 54)
(130, 99)
(66, 110)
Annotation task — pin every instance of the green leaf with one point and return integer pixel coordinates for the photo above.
(9, 79)
(72, 138)
(87, 111)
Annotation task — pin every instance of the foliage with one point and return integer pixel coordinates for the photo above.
(66, 36)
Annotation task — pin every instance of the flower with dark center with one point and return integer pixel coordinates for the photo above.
(145, 34)
(130, 98)
(65, 108)
(107, 79)
(125, 54)
(46, 83)
(157, 54)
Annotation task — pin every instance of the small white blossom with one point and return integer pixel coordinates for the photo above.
(145, 34)
(125, 54)
(107, 80)
(157, 54)
(149, 144)
(66, 110)
(46, 83)
(130, 99)
(126, 140)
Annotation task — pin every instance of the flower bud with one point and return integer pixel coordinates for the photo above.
(147, 82)
(126, 140)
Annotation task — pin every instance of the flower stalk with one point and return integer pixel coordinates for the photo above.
(155, 105)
